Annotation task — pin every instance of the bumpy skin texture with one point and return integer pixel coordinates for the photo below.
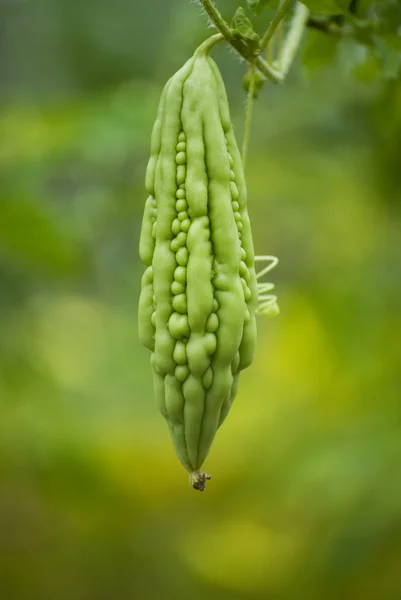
(199, 294)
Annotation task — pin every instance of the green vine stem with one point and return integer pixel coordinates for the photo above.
(237, 44)
(268, 71)
(220, 23)
(287, 50)
(280, 42)
(293, 38)
(248, 118)
(277, 19)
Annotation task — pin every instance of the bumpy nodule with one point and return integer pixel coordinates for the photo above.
(199, 294)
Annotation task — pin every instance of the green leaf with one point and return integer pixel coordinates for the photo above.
(362, 8)
(243, 29)
(327, 7)
(320, 50)
(257, 6)
(32, 237)
(364, 30)
(389, 59)
(389, 23)
(368, 70)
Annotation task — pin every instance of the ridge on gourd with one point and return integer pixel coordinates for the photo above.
(199, 293)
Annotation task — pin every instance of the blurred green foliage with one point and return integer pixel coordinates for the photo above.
(305, 502)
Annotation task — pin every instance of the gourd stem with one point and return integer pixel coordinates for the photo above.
(209, 43)
(248, 118)
(278, 17)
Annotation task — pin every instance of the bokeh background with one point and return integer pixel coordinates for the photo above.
(305, 500)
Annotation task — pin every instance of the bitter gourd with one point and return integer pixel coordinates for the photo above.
(199, 291)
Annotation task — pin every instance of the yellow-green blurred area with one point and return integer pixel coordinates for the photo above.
(305, 499)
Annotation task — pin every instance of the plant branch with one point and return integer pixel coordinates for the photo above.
(267, 70)
(278, 17)
(362, 36)
(215, 16)
(324, 26)
(280, 41)
(293, 38)
(290, 47)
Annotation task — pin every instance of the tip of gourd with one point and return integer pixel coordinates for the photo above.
(198, 480)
